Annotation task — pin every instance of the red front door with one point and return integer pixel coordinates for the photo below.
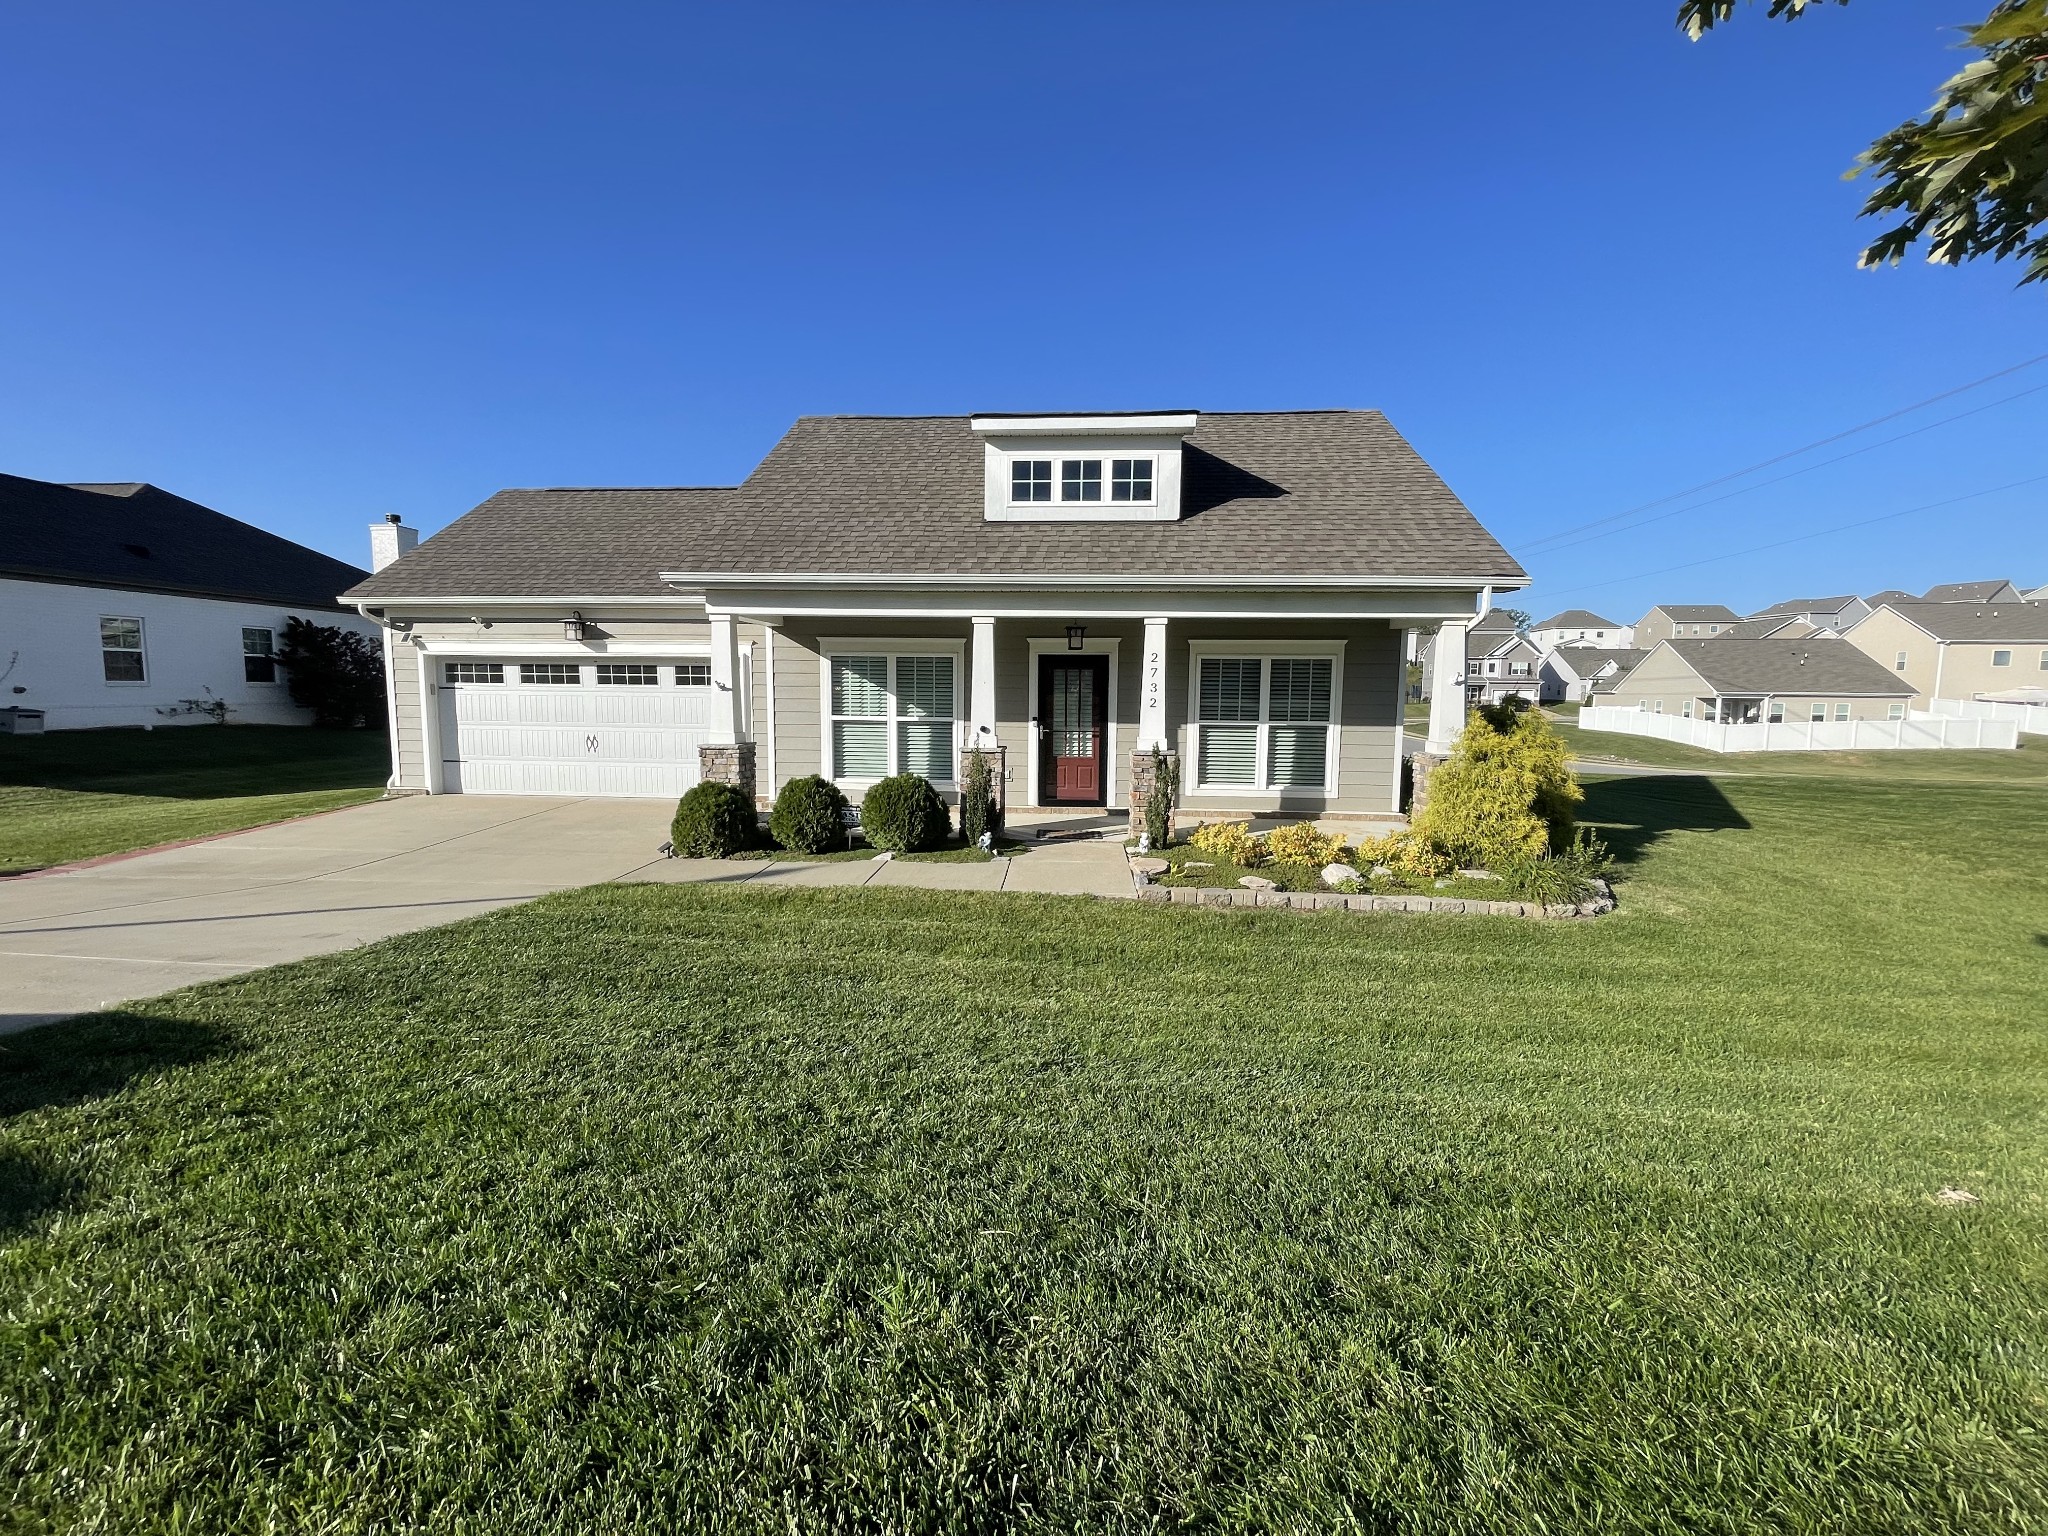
(1073, 717)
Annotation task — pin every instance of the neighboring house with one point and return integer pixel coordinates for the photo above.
(1486, 636)
(1578, 626)
(883, 594)
(124, 605)
(1512, 666)
(1973, 592)
(1747, 682)
(1890, 595)
(1829, 614)
(2038, 595)
(1947, 650)
(1682, 621)
(1574, 671)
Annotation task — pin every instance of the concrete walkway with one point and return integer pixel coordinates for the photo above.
(80, 939)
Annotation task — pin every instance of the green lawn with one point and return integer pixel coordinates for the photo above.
(79, 794)
(694, 1208)
(2027, 765)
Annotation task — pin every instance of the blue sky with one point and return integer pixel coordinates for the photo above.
(313, 263)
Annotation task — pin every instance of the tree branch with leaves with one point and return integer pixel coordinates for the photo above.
(1971, 176)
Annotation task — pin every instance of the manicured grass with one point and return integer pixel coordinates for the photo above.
(80, 794)
(694, 1208)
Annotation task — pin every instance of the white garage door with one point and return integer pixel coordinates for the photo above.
(567, 727)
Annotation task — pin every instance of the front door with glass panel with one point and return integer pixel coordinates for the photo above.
(1073, 735)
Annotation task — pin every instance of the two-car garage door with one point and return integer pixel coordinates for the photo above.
(572, 727)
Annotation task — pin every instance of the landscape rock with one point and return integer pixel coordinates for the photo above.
(1150, 867)
(1257, 883)
(1332, 873)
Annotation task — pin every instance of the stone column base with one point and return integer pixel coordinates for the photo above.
(731, 763)
(1141, 785)
(998, 771)
(1419, 768)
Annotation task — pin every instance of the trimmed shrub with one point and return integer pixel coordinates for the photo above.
(1504, 794)
(808, 816)
(1159, 799)
(1301, 842)
(713, 821)
(1231, 841)
(904, 815)
(980, 810)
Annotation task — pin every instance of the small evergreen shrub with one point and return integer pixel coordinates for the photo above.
(904, 815)
(980, 810)
(1505, 793)
(713, 821)
(808, 816)
(1230, 841)
(1160, 797)
(1300, 842)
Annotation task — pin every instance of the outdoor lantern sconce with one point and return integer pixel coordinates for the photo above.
(572, 627)
(1076, 633)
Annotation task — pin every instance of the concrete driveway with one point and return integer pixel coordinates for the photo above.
(78, 940)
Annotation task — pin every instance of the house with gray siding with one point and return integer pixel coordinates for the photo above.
(1069, 593)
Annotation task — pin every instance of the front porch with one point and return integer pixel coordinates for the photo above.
(1284, 715)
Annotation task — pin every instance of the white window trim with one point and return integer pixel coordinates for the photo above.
(2001, 651)
(1164, 450)
(141, 649)
(1264, 651)
(276, 672)
(1047, 645)
(882, 645)
(1059, 461)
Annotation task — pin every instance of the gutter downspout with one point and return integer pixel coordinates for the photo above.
(390, 695)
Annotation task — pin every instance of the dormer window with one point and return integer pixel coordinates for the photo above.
(1031, 479)
(1082, 468)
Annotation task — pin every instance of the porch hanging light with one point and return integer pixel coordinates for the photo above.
(1076, 633)
(572, 627)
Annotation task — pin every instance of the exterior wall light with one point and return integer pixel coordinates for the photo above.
(1076, 633)
(572, 628)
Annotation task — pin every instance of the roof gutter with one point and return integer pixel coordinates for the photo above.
(1098, 579)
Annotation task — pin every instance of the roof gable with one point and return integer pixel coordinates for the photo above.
(1576, 618)
(1268, 497)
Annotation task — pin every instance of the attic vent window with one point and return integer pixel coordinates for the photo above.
(139, 551)
(1031, 480)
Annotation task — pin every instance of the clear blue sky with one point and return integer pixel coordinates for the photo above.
(310, 263)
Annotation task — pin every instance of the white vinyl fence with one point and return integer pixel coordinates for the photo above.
(2032, 719)
(1924, 733)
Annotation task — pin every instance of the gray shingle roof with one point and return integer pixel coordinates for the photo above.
(1806, 605)
(1763, 628)
(1576, 618)
(1695, 613)
(1585, 660)
(134, 536)
(2020, 623)
(1891, 595)
(1266, 496)
(1788, 667)
(1969, 592)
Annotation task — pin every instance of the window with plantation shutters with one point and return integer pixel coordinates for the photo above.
(1263, 722)
(893, 714)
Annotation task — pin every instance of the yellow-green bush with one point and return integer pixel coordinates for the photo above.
(1300, 842)
(1505, 793)
(1231, 841)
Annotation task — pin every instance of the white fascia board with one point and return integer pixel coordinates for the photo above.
(1087, 579)
(1423, 608)
(1168, 424)
(536, 600)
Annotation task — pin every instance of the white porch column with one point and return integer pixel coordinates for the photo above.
(725, 682)
(1152, 731)
(1447, 687)
(981, 685)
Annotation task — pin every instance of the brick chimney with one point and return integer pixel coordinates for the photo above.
(390, 539)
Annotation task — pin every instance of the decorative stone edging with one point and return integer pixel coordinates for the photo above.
(1338, 901)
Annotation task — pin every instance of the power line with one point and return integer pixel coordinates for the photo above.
(1737, 554)
(1795, 473)
(1708, 485)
